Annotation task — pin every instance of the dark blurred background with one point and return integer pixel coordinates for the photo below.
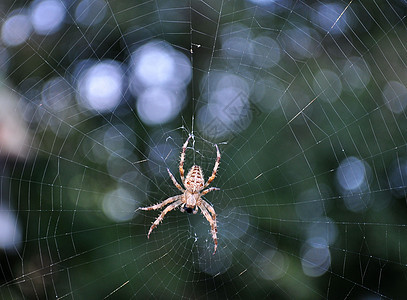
(306, 100)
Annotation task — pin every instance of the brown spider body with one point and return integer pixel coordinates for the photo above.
(194, 181)
(190, 200)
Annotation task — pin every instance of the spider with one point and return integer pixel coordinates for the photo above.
(191, 198)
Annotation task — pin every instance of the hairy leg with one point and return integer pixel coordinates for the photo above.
(215, 168)
(203, 193)
(181, 163)
(174, 181)
(162, 215)
(161, 204)
(212, 222)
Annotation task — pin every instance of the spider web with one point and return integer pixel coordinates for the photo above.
(305, 99)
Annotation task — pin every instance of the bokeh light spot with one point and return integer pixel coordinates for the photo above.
(47, 16)
(16, 30)
(100, 87)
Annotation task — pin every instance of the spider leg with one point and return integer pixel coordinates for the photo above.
(163, 213)
(204, 192)
(181, 163)
(212, 221)
(215, 168)
(161, 204)
(211, 210)
(174, 181)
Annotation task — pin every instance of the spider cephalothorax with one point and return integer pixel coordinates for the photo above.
(191, 198)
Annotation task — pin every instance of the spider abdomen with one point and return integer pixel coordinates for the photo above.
(194, 181)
